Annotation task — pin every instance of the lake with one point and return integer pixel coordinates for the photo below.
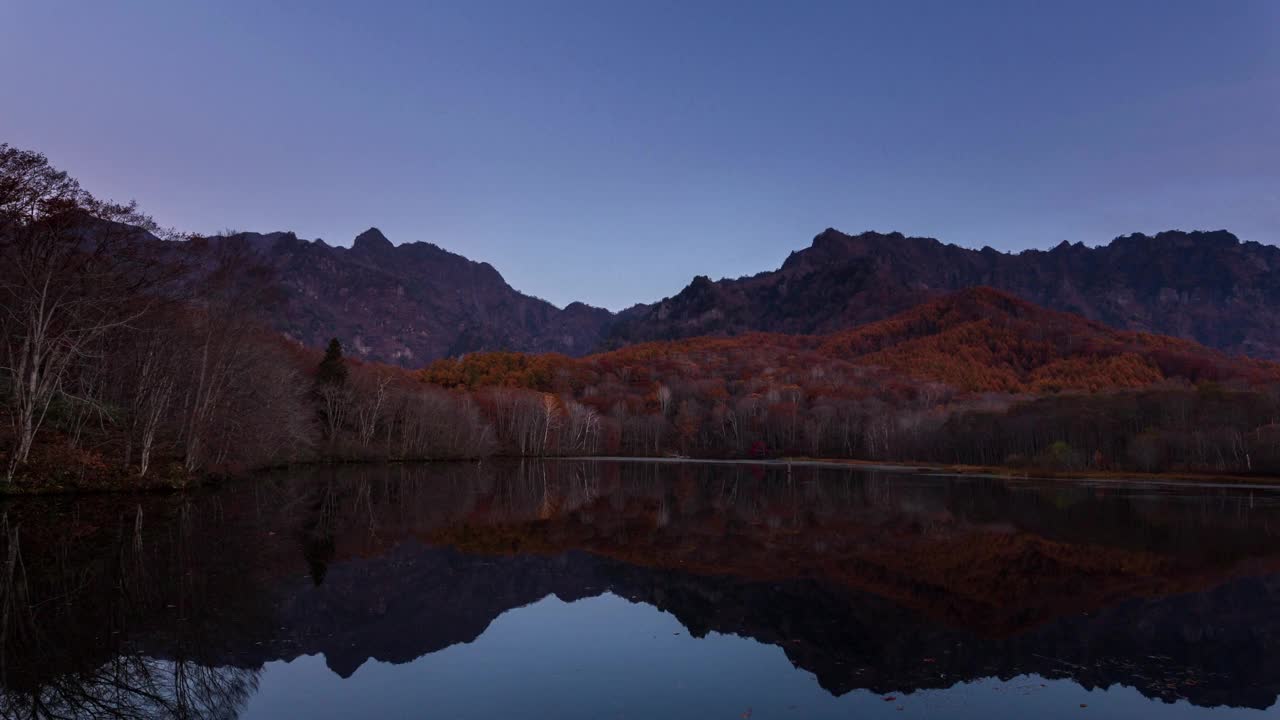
(610, 589)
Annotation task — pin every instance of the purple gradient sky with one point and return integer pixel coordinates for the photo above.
(608, 151)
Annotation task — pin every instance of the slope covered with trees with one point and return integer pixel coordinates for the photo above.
(1203, 286)
(976, 377)
(985, 340)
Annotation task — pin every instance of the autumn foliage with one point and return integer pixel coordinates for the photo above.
(904, 388)
(496, 369)
(978, 340)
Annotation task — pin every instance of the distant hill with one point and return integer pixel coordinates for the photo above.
(412, 303)
(974, 340)
(985, 339)
(1203, 286)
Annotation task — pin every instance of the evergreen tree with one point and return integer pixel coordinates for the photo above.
(332, 369)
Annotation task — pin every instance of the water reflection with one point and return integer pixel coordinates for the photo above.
(872, 582)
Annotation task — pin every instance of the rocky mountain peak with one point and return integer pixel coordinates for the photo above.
(1213, 240)
(371, 239)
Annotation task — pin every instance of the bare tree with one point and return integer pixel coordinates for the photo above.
(70, 272)
(335, 401)
(226, 303)
(372, 388)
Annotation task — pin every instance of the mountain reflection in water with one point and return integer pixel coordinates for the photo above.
(635, 586)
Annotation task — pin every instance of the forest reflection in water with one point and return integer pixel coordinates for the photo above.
(870, 582)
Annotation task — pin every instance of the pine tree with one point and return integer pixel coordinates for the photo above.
(332, 370)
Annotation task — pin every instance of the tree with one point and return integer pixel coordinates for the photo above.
(153, 376)
(331, 389)
(70, 272)
(370, 392)
(332, 369)
(224, 350)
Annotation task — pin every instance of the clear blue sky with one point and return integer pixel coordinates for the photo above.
(609, 151)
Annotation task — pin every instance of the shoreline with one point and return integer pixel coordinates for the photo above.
(976, 471)
(1186, 479)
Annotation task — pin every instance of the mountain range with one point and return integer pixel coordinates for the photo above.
(973, 340)
(1202, 286)
(412, 303)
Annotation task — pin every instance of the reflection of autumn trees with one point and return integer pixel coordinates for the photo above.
(150, 603)
(972, 553)
(975, 551)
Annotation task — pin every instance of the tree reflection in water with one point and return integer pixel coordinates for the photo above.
(56, 625)
(133, 686)
(170, 606)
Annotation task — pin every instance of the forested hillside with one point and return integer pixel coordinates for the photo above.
(1203, 286)
(977, 377)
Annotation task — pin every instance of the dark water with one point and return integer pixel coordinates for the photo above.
(640, 590)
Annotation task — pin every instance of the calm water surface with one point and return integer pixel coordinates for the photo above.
(642, 590)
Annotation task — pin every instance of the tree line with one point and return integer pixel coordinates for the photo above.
(133, 355)
(757, 397)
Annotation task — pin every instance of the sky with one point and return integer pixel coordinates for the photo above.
(609, 151)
